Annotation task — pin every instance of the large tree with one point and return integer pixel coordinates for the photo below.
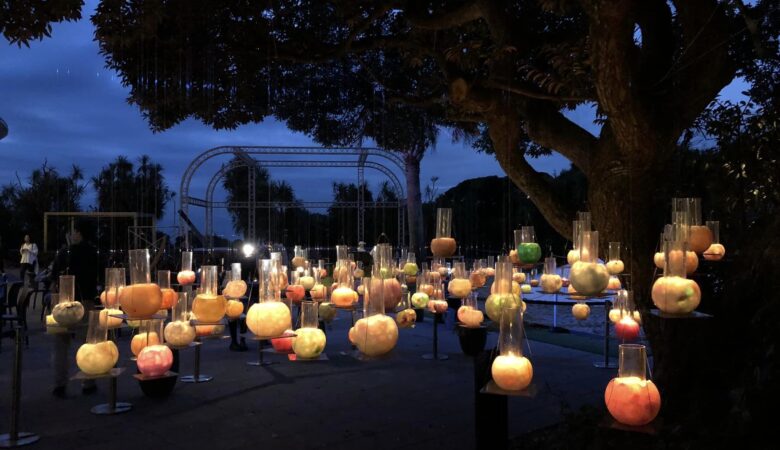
(514, 66)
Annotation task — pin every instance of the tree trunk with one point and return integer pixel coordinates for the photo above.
(414, 203)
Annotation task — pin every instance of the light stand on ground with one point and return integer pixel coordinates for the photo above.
(606, 364)
(112, 407)
(436, 355)
(196, 376)
(14, 437)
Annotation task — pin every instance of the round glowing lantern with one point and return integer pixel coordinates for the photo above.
(587, 275)
(511, 370)
(179, 332)
(295, 291)
(614, 283)
(236, 287)
(459, 286)
(299, 257)
(234, 309)
(109, 318)
(186, 276)
(142, 299)
(673, 293)
(716, 250)
(406, 318)
(550, 281)
(97, 355)
(580, 311)
(114, 283)
(155, 360)
(270, 317)
(630, 397)
(144, 338)
(614, 263)
(528, 251)
(67, 312)
(208, 305)
(469, 314)
(375, 334)
(343, 295)
(503, 293)
(284, 344)
(327, 312)
(169, 296)
(443, 245)
(310, 340)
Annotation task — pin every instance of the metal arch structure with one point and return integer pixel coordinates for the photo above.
(387, 160)
(210, 204)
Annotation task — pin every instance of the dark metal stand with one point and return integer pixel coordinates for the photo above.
(491, 412)
(606, 364)
(112, 407)
(260, 361)
(196, 376)
(14, 437)
(436, 356)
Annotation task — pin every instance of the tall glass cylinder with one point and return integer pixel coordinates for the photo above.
(208, 306)
(443, 245)
(236, 287)
(384, 269)
(673, 293)
(343, 294)
(550, 281)
(319, 292)
(179, 332)
(528, 251)
(269, 317)
(459, 286)
(310, 340)
(168, 294)
(504, 293)
(186, 275)
(477, 277)
(614, 263)
(67, 312)
(97, 355)
(716, 250)
(375, 334)
(627, 326)
(588, 276)
(299, 256)
(511, 370)
(469, 314)
(630, 398)
(307, 278)
(295, 291)
(142, 298)
(114, 283)
(342, 252)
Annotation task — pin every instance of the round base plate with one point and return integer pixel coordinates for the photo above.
(192, 379)
(23, 438)
(261, 363)
(105, 408)
(439, 357)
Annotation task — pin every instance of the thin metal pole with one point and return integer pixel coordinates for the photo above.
(606, 333)
(436, 337)
(196, 375)
(112, 394)
(16, 388)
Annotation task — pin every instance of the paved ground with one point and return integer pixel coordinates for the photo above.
(399, 402)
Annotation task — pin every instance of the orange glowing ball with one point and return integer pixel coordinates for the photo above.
(169, 298)
(632, 401)
(512, 372)
(443, 247)
(141, 300)
(234, 309)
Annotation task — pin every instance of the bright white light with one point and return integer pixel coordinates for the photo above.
(248, 250)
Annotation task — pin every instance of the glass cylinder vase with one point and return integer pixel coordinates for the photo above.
(186, 275)
(142, 299)
(208, 307)
(673, 293)
(310, 340)
(97, 355)
(716, 250)
(270, 317)
(550, 281)
(511, 370)
(589, 277)
(67, 312)
(375, 334)
(443, 245)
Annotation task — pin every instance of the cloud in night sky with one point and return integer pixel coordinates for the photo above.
(64, 107)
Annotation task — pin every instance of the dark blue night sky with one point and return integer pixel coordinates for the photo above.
(64, 107)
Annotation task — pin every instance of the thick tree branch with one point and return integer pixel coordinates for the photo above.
(505, 134)
(531, 93)
(551, 129)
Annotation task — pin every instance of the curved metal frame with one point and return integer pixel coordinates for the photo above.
(244, 160)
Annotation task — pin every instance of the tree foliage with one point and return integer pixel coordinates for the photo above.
(44, 190)
(123, 186)
(27, 20)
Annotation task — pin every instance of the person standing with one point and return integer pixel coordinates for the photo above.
(81, 260)
(29, 253)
